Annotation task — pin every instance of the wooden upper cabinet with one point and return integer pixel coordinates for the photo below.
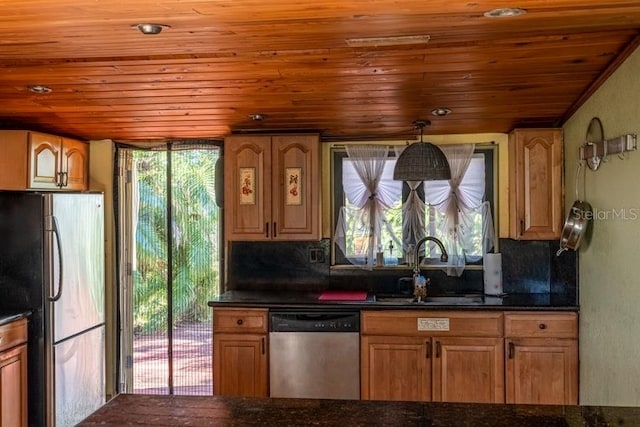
(296, 187)
(247, 176)
(536, 184)
(40, 161)
(75, 164)
(45, 154)
(272, 187)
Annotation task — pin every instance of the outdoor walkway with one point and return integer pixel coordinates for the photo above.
(192, 361)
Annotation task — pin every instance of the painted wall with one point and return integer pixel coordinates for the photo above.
(101, 179)
(609, 280)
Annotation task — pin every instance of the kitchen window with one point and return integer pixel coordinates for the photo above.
(377, 214)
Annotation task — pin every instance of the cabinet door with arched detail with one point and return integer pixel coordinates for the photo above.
(536, 184)
(75, 165)
(44, 160)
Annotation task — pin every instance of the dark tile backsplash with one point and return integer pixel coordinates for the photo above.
(277, 265)
(527, 267)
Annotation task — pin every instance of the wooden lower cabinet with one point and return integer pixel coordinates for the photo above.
(412, 355)
(441, 366)
(468, 370)
(240, 352)
(395, 368)
(240, 365)
(542, 371)
(13, 374)
(541, 358)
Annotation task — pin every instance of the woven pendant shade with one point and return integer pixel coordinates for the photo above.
(422, 161)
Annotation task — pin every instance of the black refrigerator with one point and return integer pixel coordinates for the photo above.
(52, 264)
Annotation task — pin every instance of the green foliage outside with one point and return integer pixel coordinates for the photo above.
(357, 244)
(195, 244)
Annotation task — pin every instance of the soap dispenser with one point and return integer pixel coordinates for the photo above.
(420, 287)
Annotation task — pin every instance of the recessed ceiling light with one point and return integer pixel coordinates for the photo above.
(441, 111)
(505, 12)
(256, 117)
(150, 28)
(387, 41)
(40, 89)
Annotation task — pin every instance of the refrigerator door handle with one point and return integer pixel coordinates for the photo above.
(57, 296)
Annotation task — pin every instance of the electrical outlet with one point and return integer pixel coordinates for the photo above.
(316, 255)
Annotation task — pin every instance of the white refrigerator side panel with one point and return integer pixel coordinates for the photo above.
(79, 377)
(79, 219)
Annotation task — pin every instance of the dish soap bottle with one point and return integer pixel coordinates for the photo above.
(420, 287)
(379, 257)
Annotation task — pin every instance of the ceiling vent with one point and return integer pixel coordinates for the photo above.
(388, 41)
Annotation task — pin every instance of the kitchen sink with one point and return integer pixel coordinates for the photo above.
(433, 300)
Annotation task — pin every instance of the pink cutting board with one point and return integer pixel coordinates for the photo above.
(343, 296)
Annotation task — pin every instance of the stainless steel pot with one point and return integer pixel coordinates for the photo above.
(575, 226)
(580, 214)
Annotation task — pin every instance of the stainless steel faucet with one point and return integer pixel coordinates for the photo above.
(443, 257)
(420, 291)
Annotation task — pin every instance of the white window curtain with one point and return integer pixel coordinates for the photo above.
(456, 205)
(413, 213)
(370, 192)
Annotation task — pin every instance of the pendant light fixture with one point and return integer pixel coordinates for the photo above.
(422, 161)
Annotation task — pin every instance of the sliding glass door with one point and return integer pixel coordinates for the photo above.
(169, 232)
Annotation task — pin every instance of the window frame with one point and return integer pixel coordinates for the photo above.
(491, 164)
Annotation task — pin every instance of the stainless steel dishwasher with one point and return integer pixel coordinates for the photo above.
(314, 354)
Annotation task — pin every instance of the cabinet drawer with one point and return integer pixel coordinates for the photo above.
(432, 323)
(534, 324)
(13, 333)
(240, 320)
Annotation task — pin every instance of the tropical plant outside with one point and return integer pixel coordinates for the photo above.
(194, 246)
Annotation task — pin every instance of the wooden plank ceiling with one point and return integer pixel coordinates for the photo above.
(221, 61)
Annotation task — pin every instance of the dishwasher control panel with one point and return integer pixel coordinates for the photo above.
(314, 321)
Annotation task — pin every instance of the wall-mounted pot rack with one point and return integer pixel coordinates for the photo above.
(596, 149)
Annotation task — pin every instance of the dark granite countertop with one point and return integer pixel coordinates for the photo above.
(8, 317)
(308, 300)
(155, 410)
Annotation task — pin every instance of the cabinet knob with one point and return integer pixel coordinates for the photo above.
(542, 326)
(239, 322)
